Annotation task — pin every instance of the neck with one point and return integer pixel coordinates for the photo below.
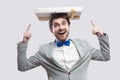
(62, 41)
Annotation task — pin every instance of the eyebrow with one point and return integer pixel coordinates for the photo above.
(56, 23)
(62, 22)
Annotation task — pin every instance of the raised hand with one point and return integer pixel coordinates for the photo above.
(27, 35)
(96, 30)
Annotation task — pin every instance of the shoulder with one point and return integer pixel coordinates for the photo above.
(46, 46)
(79, 41)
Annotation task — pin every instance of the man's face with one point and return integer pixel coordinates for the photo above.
(60, 29)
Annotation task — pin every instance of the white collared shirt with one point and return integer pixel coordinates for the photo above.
(66, 56)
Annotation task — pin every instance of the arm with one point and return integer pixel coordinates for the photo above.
(24, 63)
(104, 53)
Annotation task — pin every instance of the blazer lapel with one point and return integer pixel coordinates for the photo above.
(81, 52)
(56, 64)
(78, 47)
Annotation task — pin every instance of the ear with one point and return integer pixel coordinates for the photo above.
(51, 30)
(69, 25)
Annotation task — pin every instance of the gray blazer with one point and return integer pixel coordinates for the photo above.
(57, 72)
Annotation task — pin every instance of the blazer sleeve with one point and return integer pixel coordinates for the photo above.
(25, 64)
(104, 53)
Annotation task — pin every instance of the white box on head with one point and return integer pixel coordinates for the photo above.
(44, 14)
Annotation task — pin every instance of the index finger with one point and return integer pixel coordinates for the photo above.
(93, 24)
(28, 28)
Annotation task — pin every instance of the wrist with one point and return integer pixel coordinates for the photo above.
(24, 41)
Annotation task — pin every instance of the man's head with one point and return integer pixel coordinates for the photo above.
(59, 25)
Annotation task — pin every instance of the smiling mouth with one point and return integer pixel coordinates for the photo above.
(61, 32)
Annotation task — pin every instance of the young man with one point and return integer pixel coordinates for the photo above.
(64, 58)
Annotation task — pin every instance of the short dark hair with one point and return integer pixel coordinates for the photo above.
(58, 15)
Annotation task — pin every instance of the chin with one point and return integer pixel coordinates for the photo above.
(64, 39)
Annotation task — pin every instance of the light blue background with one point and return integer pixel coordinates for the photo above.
(15, 15)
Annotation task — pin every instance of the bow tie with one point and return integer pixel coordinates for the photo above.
(66, 43)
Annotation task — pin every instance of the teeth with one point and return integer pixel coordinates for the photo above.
(62, 32)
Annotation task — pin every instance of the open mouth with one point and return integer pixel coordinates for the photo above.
(61, 32)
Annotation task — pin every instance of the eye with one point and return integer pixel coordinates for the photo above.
(64, 23)
(56, 25)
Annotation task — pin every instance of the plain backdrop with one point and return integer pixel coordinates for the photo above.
(15, 15)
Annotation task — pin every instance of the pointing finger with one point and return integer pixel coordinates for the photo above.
(93, 24)
(28, 28)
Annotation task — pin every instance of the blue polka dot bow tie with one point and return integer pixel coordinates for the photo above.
(66, 43)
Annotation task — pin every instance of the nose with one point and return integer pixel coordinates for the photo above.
(61, 27)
